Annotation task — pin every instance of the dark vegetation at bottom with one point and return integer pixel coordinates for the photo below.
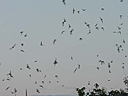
(96, 91)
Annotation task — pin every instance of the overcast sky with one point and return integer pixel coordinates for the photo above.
(41, 21)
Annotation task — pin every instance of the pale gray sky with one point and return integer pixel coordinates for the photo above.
(42, 21)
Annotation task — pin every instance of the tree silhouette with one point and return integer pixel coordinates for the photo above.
(96, 85)
(100, 92)
(80, 91)
(126, 83)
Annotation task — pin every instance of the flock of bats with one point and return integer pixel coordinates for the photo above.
(119, 48)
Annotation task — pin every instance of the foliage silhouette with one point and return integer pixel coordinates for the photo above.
(80, 91)
(100, 92)
(126, 82)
